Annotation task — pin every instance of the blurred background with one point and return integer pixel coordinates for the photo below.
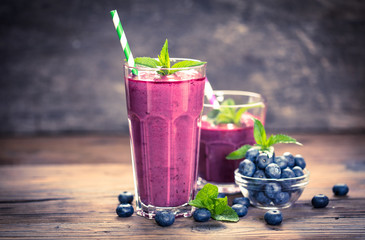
(61, 61)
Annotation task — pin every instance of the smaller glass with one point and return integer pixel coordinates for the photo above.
(254, 190)
(225, 128)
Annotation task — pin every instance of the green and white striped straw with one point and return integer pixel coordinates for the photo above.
(123, 40)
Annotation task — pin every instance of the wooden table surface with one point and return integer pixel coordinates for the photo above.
(67, 187)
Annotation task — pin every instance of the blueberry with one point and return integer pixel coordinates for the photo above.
(201, 215)
(287, 173)
(261, 198)
(271, 189)
(263, 160)
(281, 161)
(298, 171)
(273, 217)
(125, 197)
(273, 171)
(252, 154)
(247, 168)
(320, 201)
(240, 209)
(165, 218)
(340, 189)
(259, 174)
(221, 195)
(281, 198)
(290, 158)
(299, 161)
(241, 200)
(124, 210)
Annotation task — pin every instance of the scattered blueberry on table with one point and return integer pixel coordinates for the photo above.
(273, 217)
(340, 189)
(320, 201)
(125, 197)
(201, 215)
(124, 210)
(240, 209)
(165, 218)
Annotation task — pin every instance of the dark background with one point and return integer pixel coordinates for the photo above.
(61, 60)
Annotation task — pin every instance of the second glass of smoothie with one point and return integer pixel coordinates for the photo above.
(225, 128)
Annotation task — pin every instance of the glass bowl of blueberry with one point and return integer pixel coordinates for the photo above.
(271, 182)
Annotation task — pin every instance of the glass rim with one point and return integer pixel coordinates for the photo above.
(240, 177)
(173, 60)
(261, 99)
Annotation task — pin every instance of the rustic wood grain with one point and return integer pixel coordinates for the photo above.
(67, 187)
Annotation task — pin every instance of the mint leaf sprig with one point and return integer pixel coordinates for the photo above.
(228, 114)
(165, 62)
(207, 198)
(262, 142)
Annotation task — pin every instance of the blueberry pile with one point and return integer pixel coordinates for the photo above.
(263, 165)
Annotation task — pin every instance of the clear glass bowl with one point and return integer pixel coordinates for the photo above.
(256, 190)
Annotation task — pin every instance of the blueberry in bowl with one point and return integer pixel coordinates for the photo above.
(272, 193)
(267, 180)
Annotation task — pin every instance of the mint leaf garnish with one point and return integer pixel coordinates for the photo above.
(187, 63)
(218, 207)
(238, 115)
(223, 118)
(207, 192)
(228, 215)
(262, 142)
(197, 203)
(147, 62)
(164, 58)
(229, 114)
(259, 133)
(213, 114)
(239, 153)
(164, 62)
(281, 138)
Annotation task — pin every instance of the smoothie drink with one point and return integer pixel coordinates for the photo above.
(164, 113)
(218, 139)
(216, 142)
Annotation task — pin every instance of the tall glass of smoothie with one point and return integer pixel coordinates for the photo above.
(164, 113)
(225, 127)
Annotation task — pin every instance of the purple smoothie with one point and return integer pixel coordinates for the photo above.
(216, 142)
(164, 116)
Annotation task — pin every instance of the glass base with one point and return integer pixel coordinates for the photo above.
(149, 211)
(226, 188)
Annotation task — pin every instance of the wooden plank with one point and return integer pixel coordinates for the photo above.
(115, 149)
(77, 198)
